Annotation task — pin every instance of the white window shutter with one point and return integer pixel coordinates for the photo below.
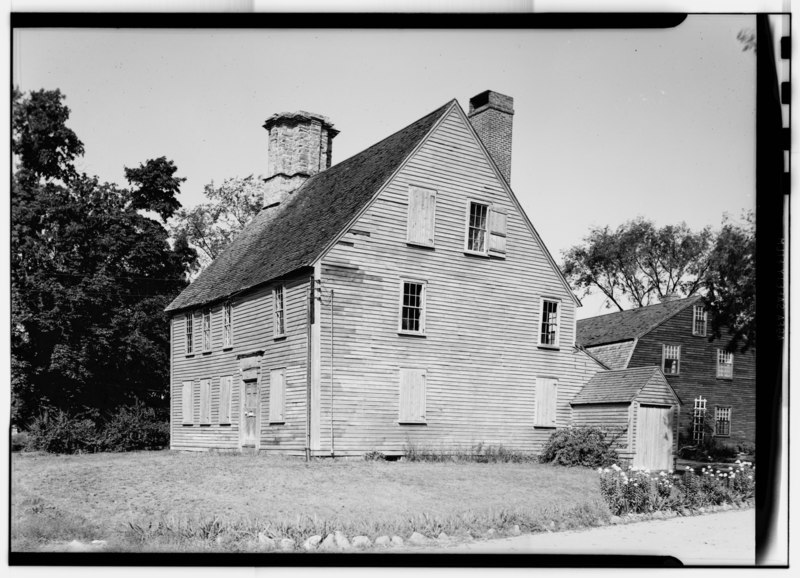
(421, 215)
(412, 395)
(546, 396)
(225, 399)
(205, 401)
(497, 232)
(187, 402)
(277, 395)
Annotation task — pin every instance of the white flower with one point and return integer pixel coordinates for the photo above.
(615, 467)
(738, 462)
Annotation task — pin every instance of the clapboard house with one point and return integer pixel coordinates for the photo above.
(715, 384)
(400, 297)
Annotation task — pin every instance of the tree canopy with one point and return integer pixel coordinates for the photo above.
(90, 273)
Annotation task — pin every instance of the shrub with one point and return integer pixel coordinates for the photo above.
(581, 446)
(478, 453)
(19, 441)
(135, 427)
(59, 433)
(374, 456)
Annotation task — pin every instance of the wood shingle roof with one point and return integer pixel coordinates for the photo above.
(616, 386)
(291, 236)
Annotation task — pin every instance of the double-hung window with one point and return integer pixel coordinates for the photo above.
(279, 321)
(699, 321)
(189, 332)
(722, 421)
(671, 359)
(412, 307)
(699, 419)
(207, 330)
(227, 325)
(724, 364)
(548, 322)
(476, 228)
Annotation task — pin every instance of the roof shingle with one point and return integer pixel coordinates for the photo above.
(616, 386)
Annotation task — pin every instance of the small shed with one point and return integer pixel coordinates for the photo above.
(638, 401)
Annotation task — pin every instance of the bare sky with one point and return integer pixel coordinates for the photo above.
(608, 125)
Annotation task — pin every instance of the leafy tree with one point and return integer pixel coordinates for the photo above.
(210, 227)
(731, 282)
(156, 188)
(638, 263)
(90, 278)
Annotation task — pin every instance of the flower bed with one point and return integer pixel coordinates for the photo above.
(636, 490)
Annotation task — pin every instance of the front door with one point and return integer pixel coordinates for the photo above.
(654, 438)
(250, 411)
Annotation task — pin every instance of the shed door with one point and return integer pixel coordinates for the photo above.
(654, 438)
(249, 412)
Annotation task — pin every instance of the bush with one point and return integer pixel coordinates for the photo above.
(19, 441)
(478, 453)
(581, 446)
(59, 433)
(135, 427)
(374, 457)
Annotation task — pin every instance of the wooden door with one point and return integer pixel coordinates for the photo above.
(654, 437)
(250, 413)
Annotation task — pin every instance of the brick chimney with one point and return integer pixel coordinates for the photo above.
(491, 115)
(298, 146)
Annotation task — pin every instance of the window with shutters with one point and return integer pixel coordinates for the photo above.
(205, 401)
(207, 330)
(279, 321)
(671, 359)
(189, 333)
(546, 398)
(412, 396)
(421, 216)
(722, 421)
(477, 220)
(549, 322)
(187, 403)
(699, 322)
(724, 364)
(497, 233)
(412, 308)
(225, 389)
(277, 396)
(227, 325)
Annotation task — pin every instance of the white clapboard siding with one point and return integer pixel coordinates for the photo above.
(421, 216)
(277, 395)
(225, 387)
(412, 396)
(546, 400)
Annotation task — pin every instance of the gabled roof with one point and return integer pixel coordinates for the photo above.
(293, 235)
(619, 385)
(629, 324)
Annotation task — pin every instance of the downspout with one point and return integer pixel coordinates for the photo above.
(310, 318)
(331, 372)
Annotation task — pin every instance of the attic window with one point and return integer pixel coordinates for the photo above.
(476, 227)
(549, 321)
(699, 321)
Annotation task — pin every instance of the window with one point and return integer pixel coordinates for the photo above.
(278, 306)
(699, 419)
(205, 401)
(476, 227)
(227, 326)
(277, 395)
(189, 333)
(546, 398)
(225, 387)
(207, 330)
(722, 421)
(421, 216)
(699, 321)
(724, 364)
(548, 326)
(187, 403)
(412, 396)
(412, 308)
(671, 359)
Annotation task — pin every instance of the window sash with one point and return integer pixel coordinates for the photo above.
(412, 307)
(278, 305)
(724, 364)
(476, 227)
(722, 421)
(671, 359)
(549, 322)
(207, 330)
(189, 342)
(699, 321)
(227, 326)
(698, 419)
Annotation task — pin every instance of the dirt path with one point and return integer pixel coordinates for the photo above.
(720, 539)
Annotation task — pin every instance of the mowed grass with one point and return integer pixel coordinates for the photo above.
(198, 501)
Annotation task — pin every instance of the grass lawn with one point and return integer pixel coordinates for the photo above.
(187, 501)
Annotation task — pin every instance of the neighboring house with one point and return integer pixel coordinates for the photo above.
(716, 386)
(401, 297)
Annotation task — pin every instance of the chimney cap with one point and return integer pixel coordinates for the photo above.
(491, 99)
(299, 117)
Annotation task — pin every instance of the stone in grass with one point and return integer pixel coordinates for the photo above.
(397, 541)
(265, 541)
(341, 540)
(312, 543)
(287, 544)
(417, 539)
(329, 543)
(361, 542)
(383, 541)
(515, 531)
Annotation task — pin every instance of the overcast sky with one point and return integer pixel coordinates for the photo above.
(608, 125)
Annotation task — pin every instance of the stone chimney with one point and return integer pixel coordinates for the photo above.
(298, 146)
(491, 115)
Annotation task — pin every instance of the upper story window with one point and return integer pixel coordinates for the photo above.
(549, 321)
(476, 227)
(227, 325)
(671, 359)
(278, 307)
(699, 321)
(724, 364)
(412, 307)
(207, 330)
(421, 216)
(189, 333)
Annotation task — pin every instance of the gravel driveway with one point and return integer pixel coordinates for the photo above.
(720, 538)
